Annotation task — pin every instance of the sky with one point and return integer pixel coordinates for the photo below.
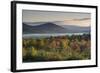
(67, 18)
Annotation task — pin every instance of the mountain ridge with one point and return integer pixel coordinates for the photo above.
(50, 27)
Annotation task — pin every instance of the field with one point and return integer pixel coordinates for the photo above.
(57, 48)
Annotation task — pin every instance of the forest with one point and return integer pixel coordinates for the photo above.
(58, 48)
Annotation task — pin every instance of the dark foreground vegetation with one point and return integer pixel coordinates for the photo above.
(60, 48)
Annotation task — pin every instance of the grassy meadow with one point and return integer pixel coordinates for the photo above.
(58, 48)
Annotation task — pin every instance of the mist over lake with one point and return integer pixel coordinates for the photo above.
(49, 35)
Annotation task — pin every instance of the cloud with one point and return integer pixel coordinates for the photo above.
(82, 19)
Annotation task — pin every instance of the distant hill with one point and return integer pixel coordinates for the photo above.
(77, 29)
(50, 27)
(44, 28)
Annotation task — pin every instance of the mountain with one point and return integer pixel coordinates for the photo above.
(51, 27)
(43, 28)
(76, 29)
(73, 27)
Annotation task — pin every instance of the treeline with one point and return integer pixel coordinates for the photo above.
(75, 47)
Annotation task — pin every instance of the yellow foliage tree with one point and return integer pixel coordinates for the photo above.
(64, 43)
(33, 51)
